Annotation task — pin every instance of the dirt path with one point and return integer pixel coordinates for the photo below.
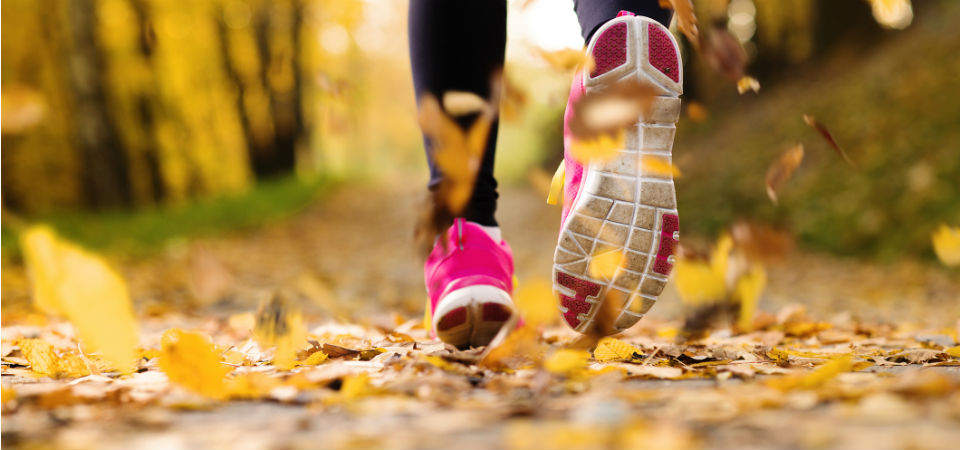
(787, 385)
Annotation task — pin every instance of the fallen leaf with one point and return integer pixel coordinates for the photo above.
(45, 360)
(191, 360)
(279, 324)
(610, 349)
(946, 244)
(816, 378)
(828, 136)
(81, 286)
(782, 169)
(315, 358)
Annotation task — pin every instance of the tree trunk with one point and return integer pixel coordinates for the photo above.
(105, 179)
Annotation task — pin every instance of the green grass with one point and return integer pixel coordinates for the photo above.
(144, 231)
(895, 109)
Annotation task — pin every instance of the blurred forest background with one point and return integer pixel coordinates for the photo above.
(127, 122)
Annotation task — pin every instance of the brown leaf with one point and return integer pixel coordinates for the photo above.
(686, 19)
(810, 120)
(336, 351)
(723, 53)
(781, 170)
(919, 356)
(609, 111)
(760, 242)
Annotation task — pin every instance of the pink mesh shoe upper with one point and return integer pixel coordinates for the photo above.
(471, 257)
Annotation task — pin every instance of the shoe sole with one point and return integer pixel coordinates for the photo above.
(472, 316)
(623, 206)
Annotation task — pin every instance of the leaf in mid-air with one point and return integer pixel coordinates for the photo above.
(82, 287)
(822, 129)
(782, 169)
(946, 244)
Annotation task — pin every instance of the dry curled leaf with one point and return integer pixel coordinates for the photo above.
(782, 169)
(825, 133)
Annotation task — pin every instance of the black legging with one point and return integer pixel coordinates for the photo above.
(458, 45)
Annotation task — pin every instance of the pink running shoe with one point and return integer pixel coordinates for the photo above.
(617, 205)
(470, 281)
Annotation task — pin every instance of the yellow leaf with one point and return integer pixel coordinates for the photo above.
(278, 324)
(457, 154)
(605, 265)
(427, 317)
(356, 386)
(954, 351)
(315, 358)
(816, 378)
(251, 385)
(747, 291)
(520, 349)
(658, 167)
(610, 349)
(7, 394)
(72, 365)
(41, 356)
(946, 243)
(45, 360)
(87, 291)
(704, 281)
(747, 83)
(438, 362)
(191, 360)
(566, 362)
(601, 148)
(535, 303)
(234, 356)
